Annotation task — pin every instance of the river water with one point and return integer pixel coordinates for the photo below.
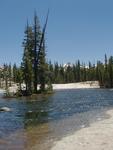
(35, 124)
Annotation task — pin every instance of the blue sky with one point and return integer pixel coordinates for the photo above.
(77, 29)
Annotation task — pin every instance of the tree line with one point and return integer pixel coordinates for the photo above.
(57, 73)
(80, 72)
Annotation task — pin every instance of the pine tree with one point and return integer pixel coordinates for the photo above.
(41, 60)
(42, 67)
(62, 74)
(78, 71)
(51, 72)
(15, 73)
(100, 67)
(56, 73)
(5, 75)
(37, 41)
(111, 71)
(28, 59)
(69, 74)
(83, 73)
(10, 74)
(106, 74)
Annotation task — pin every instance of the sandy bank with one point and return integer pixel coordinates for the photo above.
(99, 136)
(79, 85)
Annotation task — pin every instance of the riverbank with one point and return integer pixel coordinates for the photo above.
(79, 85)
(98, 136)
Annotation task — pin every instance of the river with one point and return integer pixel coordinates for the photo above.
(35, 124)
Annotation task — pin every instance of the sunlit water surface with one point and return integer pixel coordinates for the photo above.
(37, 123)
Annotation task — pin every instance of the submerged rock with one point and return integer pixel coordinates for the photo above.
(5, 109)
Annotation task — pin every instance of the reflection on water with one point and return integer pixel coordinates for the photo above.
(35, 117)
(40, 121)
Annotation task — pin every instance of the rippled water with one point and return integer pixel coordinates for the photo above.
(37, 123)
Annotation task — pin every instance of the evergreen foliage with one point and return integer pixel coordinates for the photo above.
(34, 65)
(26, 65)
(49, 73)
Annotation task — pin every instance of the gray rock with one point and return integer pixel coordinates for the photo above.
(6, 109)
